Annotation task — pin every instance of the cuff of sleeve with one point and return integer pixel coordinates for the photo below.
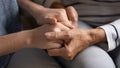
(111, 35)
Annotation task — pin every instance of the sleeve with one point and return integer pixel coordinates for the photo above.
(112, 31)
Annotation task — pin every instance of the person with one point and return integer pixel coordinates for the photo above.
(77, 40)
(12, 39)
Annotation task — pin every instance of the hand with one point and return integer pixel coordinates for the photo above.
(72, 15)
(71, 12)
(37, 39)
(75, 40)
(46, 15)
(52, 16)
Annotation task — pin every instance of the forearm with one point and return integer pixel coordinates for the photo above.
(12, 42)
(30, 6)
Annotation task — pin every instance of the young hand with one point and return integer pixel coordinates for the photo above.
(37, 39)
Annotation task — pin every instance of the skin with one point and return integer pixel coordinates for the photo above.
(45, 15)
(35, 38)
(75, 40)
(58, 18)
(70, 11)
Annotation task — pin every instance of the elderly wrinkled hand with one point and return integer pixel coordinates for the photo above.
(75, 41)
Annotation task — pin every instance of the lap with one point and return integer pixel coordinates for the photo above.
(83, 25)
(115, 54)
(92, 57)
(32, 58)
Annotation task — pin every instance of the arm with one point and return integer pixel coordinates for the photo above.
(29, 6)
(45, 15)
(79, 39)
(12, 42)
(112, 34)
(29, 39)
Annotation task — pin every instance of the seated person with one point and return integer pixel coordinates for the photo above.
(83, 59)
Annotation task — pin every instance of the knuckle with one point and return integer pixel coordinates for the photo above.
(61, 11)
(67, 34)
(69, 55)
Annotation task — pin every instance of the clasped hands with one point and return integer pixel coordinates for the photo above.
(71, 41)
(65, 40)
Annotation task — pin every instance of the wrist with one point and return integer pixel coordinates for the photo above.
(25, 37)
(97, 35)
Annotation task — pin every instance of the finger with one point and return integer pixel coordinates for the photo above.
(63, 35)
(62, 27)
(53, 45)
(68, 24)
(74, 46)
(64, 20)
(56, 52)
(56, 41)
(51, 20)
(56, 29)
(72, 15)
(63, 52)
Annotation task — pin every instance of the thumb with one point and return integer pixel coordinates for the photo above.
(72, 15)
